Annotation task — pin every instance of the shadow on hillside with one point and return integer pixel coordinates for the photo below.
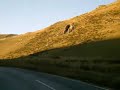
(102, 49)
(57, 61)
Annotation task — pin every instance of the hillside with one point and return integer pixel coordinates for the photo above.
(4, 36)
(103, 23)
(89, 53)
(11, 44)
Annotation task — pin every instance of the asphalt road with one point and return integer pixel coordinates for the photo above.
(20, 79)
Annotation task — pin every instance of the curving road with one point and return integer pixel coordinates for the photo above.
(20, 79)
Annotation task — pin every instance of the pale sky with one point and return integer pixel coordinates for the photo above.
(21, 16)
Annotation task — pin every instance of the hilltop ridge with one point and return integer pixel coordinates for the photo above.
(3, 36)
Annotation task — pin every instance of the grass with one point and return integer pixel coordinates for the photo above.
(100, 49)
(100, 24)
(2, 36)
(99, 72)
(101, 66)
(89, 53)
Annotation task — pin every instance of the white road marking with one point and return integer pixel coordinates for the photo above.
(45, 85)
(89, 84)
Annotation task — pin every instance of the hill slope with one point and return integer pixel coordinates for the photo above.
(100, 24)
(4, 36)
(89, 53)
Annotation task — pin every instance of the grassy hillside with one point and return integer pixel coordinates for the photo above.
(106, 49)
(89, 53)
(9, 43)
(100, 24)
(86, 62)
(4, 36)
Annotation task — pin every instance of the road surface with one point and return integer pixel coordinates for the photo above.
(20, 79)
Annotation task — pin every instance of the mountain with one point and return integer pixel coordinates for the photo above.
(101, 24)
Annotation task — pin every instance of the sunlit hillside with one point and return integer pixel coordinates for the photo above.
(103, 23)
(4, 36)
(91, 52)
(10, 43)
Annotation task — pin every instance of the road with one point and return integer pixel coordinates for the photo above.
(20, 79)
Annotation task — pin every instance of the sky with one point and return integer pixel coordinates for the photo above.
(21, 16)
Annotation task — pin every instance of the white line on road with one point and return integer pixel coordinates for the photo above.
(78, 81)
(45, 85)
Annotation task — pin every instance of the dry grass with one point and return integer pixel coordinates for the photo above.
(4, 36)
(89, 53)
(100, 24)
